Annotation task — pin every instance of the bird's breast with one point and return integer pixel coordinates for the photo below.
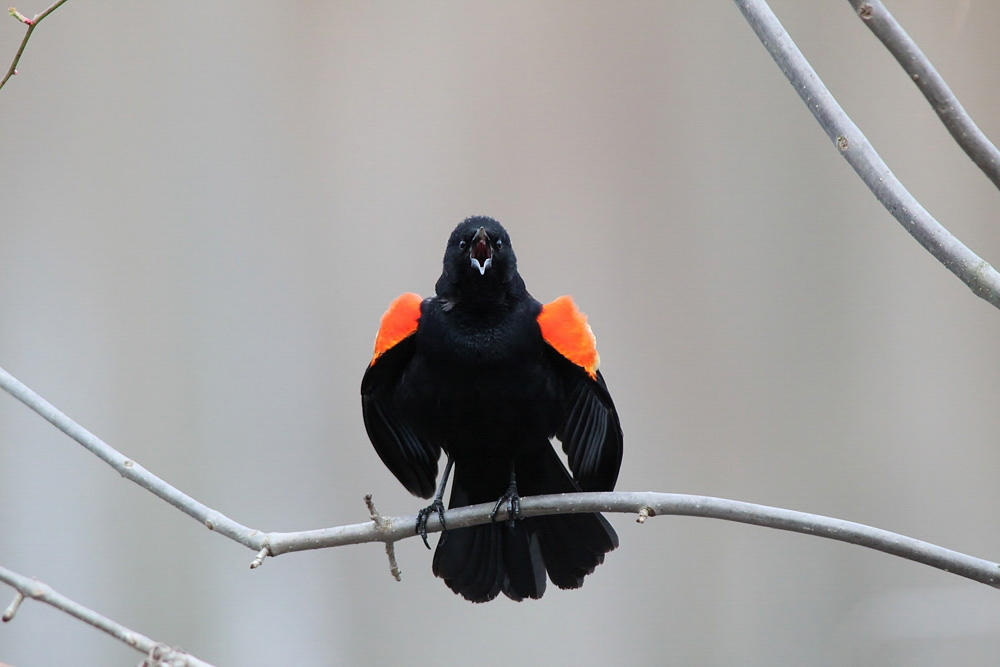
(489, 389)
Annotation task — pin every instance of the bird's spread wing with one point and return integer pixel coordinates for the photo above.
(591, 434)
(411, 460)
(399, 322)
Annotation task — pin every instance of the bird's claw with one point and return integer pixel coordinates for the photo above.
(513, 502)
(436, 506)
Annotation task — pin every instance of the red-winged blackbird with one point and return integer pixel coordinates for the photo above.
(488, 374)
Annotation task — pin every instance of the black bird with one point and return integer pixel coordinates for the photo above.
(488, 374)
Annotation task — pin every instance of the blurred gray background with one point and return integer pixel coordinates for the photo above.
(206, 208)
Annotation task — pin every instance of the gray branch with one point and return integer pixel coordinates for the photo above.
(951, 112)
(647, 504)
(158, 653)
(392, 529)
(974, 271)
(130, 469)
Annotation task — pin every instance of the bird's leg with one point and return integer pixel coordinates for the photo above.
(435, 506)
(511, 498)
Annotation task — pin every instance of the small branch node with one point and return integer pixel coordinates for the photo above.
(12, 608)
(161, 655)
(842, 143)
(261, 555)
(644, 513)
(865, 11)
(370, 504)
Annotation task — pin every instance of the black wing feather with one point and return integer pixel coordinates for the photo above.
(406, 455)
(591, 434)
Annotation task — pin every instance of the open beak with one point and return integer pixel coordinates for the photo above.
(481, 253)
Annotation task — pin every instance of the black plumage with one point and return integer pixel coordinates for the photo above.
(478, 379)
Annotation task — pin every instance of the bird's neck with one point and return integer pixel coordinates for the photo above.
(486, 296)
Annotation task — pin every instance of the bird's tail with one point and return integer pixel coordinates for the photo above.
(479, 562)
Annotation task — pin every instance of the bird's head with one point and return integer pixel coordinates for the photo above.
(478, 261)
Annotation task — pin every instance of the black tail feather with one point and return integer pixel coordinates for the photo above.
(574, 545)
(523, 560)
(469, 559)
(479, 562)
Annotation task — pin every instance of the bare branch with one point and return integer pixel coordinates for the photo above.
(130, 469)
(32, 23)
(393, 529)
(36, 590)
(951, 112)
(974, 271)
(648, 504)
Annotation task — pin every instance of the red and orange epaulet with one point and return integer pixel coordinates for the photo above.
(565, 328)
(398, 322)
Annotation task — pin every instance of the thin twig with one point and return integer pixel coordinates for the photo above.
(383, 525)
(951, 112)
(974, 271)
(32, 23)
(261, 555)
(392, 529)
(12, 608)
(36, 590)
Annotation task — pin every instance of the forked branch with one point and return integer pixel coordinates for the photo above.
(974, 271)
(32, 23)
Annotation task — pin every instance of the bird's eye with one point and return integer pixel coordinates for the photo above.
(499, 243)
(461, 244)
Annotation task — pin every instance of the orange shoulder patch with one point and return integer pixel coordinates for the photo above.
(398, 322)
(565, 328)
